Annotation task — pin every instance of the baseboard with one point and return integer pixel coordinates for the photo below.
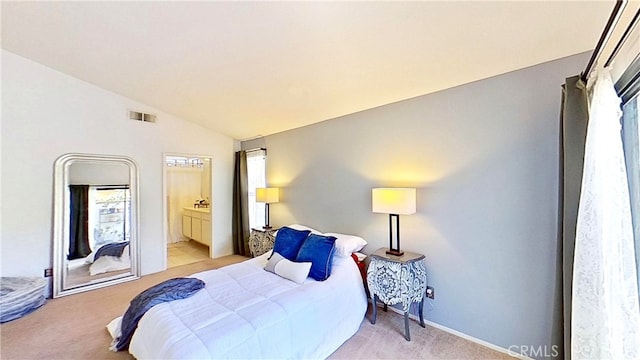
(462, 335)
(475, 340)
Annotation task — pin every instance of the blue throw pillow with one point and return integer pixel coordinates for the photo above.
(288, 242)
(319, 250)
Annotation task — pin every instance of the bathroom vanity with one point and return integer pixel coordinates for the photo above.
(196, 224)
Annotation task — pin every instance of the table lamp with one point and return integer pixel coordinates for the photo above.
(267, 196)
(394, 201)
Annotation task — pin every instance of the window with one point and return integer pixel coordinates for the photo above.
(110, 208)
(256, 174)
(626, 73)
(631, 141)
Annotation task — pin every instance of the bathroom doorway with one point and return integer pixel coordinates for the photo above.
(188, 209)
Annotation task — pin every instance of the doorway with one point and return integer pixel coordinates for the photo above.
(188, 209)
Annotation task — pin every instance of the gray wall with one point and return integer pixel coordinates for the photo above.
(484, 157)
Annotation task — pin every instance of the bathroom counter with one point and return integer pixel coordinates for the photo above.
(200, 210)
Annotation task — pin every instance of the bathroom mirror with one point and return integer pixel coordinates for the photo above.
(95, 239)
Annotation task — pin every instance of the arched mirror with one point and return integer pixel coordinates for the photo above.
(95, 237)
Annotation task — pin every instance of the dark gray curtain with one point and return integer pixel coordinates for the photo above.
(240, 205)
(79, 223)
(574, 118)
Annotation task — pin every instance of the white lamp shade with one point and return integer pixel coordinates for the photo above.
(401, 201)
(267, 195)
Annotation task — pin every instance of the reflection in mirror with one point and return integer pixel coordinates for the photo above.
(95, 240)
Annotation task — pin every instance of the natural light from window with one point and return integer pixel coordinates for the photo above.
(256, 176)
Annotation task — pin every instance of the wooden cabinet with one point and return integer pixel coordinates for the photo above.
(196, 229)
(206, 230)
(186, 225)
(196, 225)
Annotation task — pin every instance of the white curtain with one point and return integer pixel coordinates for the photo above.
(183, 189)
(256, 178)
(605, 313)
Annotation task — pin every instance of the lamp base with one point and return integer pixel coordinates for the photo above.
(267, 227)
(395, 252)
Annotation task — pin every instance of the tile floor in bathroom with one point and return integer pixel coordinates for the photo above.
(186, 252)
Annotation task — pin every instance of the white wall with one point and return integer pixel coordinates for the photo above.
(484, 158)
(81, 173)
(45, 114)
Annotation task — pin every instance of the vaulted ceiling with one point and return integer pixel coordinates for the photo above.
(247, 69)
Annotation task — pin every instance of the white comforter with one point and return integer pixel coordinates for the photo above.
(245, 312)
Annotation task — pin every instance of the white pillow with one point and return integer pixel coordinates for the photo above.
(347, 244)
(294, 271)
(114, 327)
(361, 256)
(89, 258)
(302, 227)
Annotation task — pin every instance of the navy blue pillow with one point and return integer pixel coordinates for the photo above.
(288, 242)
(319, 250)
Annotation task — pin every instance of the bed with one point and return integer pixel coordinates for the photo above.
(247, 312)
(110, 257)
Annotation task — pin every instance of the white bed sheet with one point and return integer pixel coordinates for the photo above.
(108, 263)
(245, 312)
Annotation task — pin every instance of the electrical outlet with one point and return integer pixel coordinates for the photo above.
(431, 292)
(48, 272)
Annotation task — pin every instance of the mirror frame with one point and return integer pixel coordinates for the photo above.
(61, 220)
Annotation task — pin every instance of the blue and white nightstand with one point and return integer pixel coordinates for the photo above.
(261, 241)
(397, 280)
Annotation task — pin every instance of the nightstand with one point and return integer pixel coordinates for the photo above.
(261, 241)
(397, 280)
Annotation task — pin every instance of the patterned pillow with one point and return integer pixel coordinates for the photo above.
(319, 250)
(289, 241)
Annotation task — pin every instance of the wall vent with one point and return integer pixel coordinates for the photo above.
(140, 116)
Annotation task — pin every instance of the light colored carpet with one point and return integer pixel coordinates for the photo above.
(73, 327)
(385, 340)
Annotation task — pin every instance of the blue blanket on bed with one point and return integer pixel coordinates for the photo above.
(111, 249)
(172, 289)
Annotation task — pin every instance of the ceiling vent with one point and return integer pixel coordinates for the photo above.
(140, 116)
